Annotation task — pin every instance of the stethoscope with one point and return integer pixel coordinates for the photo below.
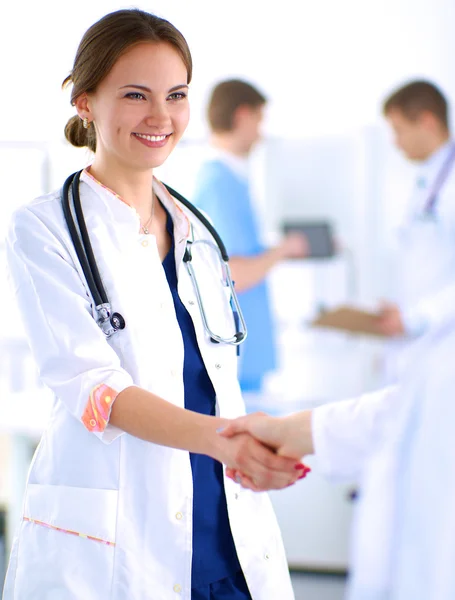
(111, 322)
(432, 197)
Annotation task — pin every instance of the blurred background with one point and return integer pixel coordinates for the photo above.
(326, 155)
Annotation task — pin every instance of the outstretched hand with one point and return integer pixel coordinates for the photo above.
(286, 436)
(259, 464)
(390, 320)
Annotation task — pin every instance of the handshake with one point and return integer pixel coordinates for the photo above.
(263, 453)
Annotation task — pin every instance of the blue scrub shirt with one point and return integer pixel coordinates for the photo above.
(225, 197)
(216, 571)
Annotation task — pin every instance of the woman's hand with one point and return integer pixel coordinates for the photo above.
(390, 320)
(289, 436)
(260, 467)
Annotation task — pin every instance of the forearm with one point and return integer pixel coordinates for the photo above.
(249, 271)
(295, 433)
(149, 417)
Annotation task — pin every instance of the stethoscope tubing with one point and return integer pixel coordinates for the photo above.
(439, 182)
(203, 219)
(86, 257)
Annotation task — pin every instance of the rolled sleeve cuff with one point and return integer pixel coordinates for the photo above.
(99, 404)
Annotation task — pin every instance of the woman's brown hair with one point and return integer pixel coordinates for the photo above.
(100, 48)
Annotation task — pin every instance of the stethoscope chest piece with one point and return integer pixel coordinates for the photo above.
(109, 323)
(117, 321)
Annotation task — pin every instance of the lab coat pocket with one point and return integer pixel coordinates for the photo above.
(67, 543)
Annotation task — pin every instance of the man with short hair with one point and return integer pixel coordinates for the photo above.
(425, 295)
(235, 115)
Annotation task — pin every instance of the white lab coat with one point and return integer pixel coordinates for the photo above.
(424, 261)
(399, 444)
(91, 480)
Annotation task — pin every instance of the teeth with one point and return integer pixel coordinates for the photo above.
(151, 138)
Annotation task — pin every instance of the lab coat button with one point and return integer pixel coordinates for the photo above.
(217, 366)
(177, 588)
(236, 496)
(179, 516)
(267, 556)
(191, 302)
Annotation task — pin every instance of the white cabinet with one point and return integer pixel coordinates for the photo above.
(315, 518)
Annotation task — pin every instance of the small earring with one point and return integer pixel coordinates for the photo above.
(85, 123)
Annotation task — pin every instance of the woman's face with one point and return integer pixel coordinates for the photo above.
(140, 109)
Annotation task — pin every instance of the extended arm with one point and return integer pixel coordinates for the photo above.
(77, 363)
(340, 434)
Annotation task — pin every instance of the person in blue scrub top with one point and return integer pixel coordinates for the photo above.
(235, 115)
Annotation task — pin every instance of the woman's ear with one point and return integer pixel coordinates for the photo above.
(82, 105)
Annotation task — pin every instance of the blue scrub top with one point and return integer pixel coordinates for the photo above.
(225, 197)
(214, 554)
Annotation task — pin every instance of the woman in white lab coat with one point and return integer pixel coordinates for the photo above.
(126, 497)
(399, 445)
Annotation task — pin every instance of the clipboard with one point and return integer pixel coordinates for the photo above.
(349, 319)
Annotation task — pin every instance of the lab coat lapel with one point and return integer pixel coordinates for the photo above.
(182, 227)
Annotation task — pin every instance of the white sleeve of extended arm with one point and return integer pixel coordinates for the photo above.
(345, 432)
(431, 311)
(73, 356)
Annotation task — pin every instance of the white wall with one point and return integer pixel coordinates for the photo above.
(325, 65)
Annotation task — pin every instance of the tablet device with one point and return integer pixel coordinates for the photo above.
(318, 233)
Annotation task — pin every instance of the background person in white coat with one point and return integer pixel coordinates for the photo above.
(126, 496)
(399, 444)
(425, 257)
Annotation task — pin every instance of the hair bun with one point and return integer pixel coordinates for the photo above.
(78, 136)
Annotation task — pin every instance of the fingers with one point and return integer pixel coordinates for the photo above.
(268, 459)
(249, 483)
(264, 468)
(230, 473)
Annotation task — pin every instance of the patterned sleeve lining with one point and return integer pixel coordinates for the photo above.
(98, 408)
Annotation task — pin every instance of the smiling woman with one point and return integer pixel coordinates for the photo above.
(138, 106)
(107, 38)
(126, 495)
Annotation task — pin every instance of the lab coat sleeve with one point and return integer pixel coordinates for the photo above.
(431, 311)
(344, 432)
(74, 359)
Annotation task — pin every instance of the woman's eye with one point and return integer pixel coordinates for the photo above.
(135, 96)
(177, 96)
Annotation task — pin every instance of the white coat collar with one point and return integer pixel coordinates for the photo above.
(431, 166)
(121, 211)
